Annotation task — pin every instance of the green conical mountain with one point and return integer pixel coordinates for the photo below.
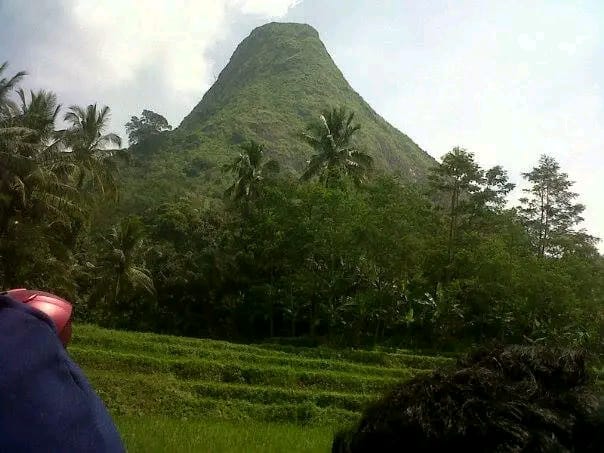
(278, 78)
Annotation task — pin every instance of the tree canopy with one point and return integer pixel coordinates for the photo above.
(331, 137)
(549, 211)
(345, 255)
(145, 126)
(249, 171)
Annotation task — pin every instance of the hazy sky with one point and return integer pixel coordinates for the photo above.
(509, 80)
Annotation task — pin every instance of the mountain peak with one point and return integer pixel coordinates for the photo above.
(285, 28)
(278, 78)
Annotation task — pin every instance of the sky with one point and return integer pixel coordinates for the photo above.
(508, 80)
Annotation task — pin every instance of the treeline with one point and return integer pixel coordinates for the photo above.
(50, 180)
(343, 255)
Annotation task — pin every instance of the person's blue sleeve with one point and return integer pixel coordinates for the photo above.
(46, 403)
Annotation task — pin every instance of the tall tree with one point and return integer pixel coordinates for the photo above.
(549, 211)
(458, 178)
(496, 187)
(90, 146)
(250, 171)
(332, 138)
(121, 267)
(38, 114)
(148, 125)
(36, 203)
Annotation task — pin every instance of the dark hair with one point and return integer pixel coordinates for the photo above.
(506, 399)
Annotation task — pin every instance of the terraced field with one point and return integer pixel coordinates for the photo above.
(151, 381)
(174, 394)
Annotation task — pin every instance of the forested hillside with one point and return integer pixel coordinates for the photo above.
(283, 206)
(278, 79)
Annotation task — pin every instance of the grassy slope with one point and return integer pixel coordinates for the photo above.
(181, 394)
(156, 375)
(221, 436)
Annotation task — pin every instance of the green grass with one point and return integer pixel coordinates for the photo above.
(220, 436)
(179, 394)
(184, 394)
(238, 372)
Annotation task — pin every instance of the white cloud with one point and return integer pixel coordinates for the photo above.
(268, 8)
(173, 35)
(527, 43)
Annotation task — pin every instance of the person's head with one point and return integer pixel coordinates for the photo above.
(504, 399)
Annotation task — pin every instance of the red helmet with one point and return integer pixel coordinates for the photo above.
(56, 308)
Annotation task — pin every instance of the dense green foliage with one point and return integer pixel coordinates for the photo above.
(249, 171)
(278, 79)
(326, 227)
(332, 139)
(49, 182)
(351, 257)
(550, 212)
(150, 124)
(350, 264)
(355, 238)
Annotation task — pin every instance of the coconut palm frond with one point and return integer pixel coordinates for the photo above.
(331, 137)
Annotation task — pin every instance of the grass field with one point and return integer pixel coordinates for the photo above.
(182, 394)
(175, 394)
(152, 434)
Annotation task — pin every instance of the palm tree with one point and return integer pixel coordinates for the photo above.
(122, 267)
(8, 106)
(7, 85)
(332, 139)
(35, 197)
(89, 146)
(38, 114)
(32, 166)
(249, 171)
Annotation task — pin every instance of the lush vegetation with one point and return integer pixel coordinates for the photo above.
(171, 393)
(152, 434)
(149, 125)
(50, 181)
(159, 375)
(347, 262)
(332, 260)
(345, 255)
(277, 80)
(182, 394)
(326, 227)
